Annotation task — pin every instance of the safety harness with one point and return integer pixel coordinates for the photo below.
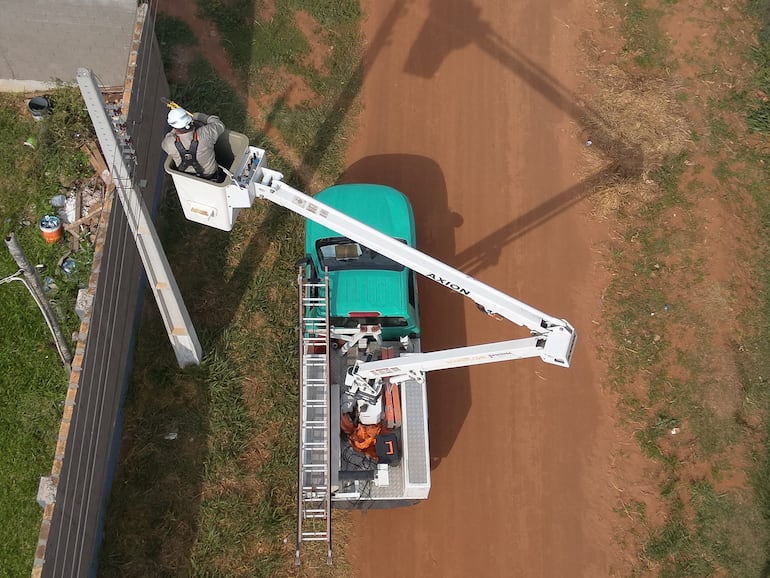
(189, 156)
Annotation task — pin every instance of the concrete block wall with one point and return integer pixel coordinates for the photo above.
(89, 436)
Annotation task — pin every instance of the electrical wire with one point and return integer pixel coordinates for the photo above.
(133, 214)
(15, 277)
(108, 327)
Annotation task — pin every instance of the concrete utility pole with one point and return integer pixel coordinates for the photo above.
(32, 283)
(179, 327)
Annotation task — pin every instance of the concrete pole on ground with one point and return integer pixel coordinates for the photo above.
(32, 281)
(179, 326)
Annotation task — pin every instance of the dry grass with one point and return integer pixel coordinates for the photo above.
(634, 125)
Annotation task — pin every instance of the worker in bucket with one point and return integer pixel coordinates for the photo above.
(190, 143)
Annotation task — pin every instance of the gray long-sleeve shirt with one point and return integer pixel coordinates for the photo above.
(209, 128)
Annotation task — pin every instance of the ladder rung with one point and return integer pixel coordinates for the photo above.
(317, 443)
(313, 503)
(312, 445)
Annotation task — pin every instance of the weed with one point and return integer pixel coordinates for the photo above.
(644, 40)
(172, 34)
(32, 379)
(230, 508)
(706, 532)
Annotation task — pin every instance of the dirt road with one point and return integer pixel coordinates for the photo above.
(468, 110)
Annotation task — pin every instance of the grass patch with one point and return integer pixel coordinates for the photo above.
(172, 35)
(712, 533)
(32, 379)
(689, 374)
(757, 94)
(274, 53)
(645, 42)
(219, 498)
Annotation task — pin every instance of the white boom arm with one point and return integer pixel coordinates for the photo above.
(411, 366)
(553, 340)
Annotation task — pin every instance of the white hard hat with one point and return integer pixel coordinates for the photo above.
(179, 118)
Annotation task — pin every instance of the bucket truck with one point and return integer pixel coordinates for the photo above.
(363, 415)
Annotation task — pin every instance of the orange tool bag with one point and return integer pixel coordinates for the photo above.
(364, 438)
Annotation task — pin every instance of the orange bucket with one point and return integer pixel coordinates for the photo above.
(51, 228)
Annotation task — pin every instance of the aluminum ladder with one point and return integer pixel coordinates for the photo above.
(314, 491)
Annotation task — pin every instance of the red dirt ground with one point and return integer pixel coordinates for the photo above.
(468, 107)
(465, 111)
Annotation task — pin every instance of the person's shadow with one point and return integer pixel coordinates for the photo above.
(442, 319)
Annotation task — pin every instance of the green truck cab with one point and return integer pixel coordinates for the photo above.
(364, 286)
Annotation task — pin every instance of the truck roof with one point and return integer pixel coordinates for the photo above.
(379, 206)
(367, 285)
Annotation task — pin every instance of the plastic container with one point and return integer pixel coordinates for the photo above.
(68, 266)
(50, 227)
(38, 106)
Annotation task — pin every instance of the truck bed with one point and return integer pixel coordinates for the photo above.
(358, 481)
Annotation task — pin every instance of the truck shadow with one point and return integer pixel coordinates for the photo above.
(441, 311)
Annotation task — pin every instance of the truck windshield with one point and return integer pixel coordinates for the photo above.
(338, 253)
